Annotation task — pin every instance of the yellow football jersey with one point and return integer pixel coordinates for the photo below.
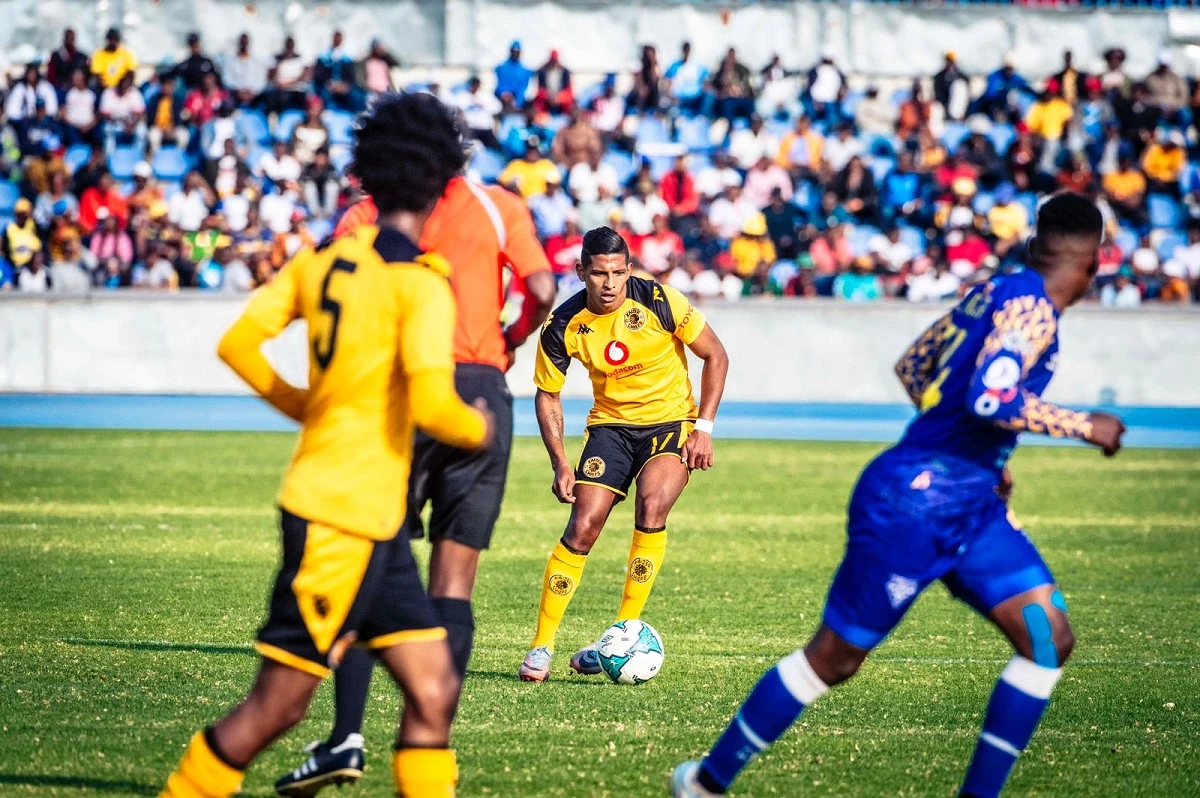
(378, 312)
(633, 355)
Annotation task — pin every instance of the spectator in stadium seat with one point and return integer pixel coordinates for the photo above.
(916, 113)
(802, 150)
(1047, 118)
(146, 192)
(765, 178)
(123, 111)
(979, 151)
(928, 152)
(311, 134)
(829, 213)
(642, 205)
(686, 80)
(335, 78)
(662, 249)
(875, 115)
(712, 180)
(563, 250)
(103, 195)
(902, 193)
(55, 201)
(951, 89)
(34, 278)
(775, 92)
(1163, 162)
(321, 185)
(751, 144)
(931, 281)
(825, 88)
(1114, 80)
(1125, 190)
(113, 61)
(734, 91)
(1007, 220)
(68, 272)
(1103, 152)
(890, 252)
(1071, 80)
(678, 190)
(41, 134)
(512, 77)
(245, 77)
(191, 207)
(1175, 288)
(856, 191)
(377, 68)
(21, 237)
(527, 176)
(608, 113)
(204, 102)
(1122, 292)
(831, 251)
(577, 142)
(1166, 90)
(1146, 266)
(783, 223)
(752, 249)
(110, 241)
(646, 94)
(586, 178)
(193, 69)
(554, 92)
(705, 243)
(167, 125)
(841, 148)
(479, 110)
(730, 212)
(596, 213)
(550, 208)
(1139, 118)
(88, 175)
(78, 112)
(287, 80)
(65, 61)
(279, 165)
(24, 96)
(966, 250)
(860, 284)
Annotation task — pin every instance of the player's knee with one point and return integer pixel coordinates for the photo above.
(1064, 642)
(652, 511)
(435, 698)
(279, 712)
(583, 532)
(1047, 643)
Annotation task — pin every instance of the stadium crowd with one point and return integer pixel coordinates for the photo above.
(727, 180)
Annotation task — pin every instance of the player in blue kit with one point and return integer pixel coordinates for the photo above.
(934, 506)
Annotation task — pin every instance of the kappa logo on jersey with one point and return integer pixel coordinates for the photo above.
(658, 294)
(546, 323)
(584, 329)
(635, 319)
(900, 589)
(616, 353)
(593, 468)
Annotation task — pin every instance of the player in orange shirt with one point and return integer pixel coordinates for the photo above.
(481, 231)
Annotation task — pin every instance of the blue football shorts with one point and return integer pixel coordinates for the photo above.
(910, 523)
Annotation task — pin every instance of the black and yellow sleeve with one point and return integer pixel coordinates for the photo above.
(550, 371)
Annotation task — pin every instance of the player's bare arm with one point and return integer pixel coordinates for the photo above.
(698, 451)
(549, 409)
(540, 291)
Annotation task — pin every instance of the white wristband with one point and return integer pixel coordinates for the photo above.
(704, 425)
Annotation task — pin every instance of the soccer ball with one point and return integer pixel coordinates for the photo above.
(631, 652)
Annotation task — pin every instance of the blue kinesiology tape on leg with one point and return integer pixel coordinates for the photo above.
(1041, 637)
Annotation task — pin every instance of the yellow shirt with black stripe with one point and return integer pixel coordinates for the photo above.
(380, 315)
(634, 355)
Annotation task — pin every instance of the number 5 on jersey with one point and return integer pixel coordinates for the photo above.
(323, 346)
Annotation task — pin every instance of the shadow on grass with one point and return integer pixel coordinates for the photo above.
(80, 782)
(157, 645)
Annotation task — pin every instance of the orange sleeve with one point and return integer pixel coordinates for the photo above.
(522, 249)
(358, 214)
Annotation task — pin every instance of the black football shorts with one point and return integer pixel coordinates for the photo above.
(615, 454)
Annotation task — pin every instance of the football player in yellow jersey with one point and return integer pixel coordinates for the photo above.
(380, 318)
(630, 334)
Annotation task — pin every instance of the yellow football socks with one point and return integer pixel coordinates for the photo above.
(201, 774)
(562, 578)
(425, 772)
(645, 558)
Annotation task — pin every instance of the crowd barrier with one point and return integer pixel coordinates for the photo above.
(874, 39)
(780, 350)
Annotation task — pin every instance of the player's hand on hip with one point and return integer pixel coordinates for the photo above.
(1107, 430)
(1005, 489)
(698, 451)
(510, 359)
(564, 484)
(489, 420)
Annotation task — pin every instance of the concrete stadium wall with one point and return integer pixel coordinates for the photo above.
(781, 351)
(869, 38)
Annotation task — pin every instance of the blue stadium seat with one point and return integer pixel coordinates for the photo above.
(341, 127)
(652, 130)
(984, 201)
(914, 238)
(1164, 212)
(954, 135)
(286, 124)
(1170, 242)
(252, 127)
(882, 146)
(169, 165)
(660, 165)
(1127, 240)
(850, 103)
(900, 97)
(693, 132)
(860, 242)
(698, 162)
(621, 163)
(1002, 137)
(881, 168)
(488, 164)
(341, 157)
(1030, 201)
(77, 155)
(254, 156)
(9, 194)
(122, 161)
(899, 189)
(320, 229)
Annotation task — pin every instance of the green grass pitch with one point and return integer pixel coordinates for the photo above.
(134, 570)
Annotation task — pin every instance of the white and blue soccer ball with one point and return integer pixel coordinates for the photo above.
(631, 652)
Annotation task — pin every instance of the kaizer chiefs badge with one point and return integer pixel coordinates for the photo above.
(635, 319)
(640, 570)
(593, 468)
(560, 585)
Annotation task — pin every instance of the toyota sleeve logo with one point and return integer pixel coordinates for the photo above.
(616, 353)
